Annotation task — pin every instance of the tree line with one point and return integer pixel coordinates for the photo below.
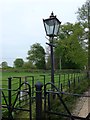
(70, 51)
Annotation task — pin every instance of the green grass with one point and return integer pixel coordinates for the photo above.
(37, 77)
(69, 100)
(63, 79)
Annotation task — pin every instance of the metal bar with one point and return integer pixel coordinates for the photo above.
(69, 84)
(9, 99)
(4, 98)
(59, 81)
(64, 115)
(39, 100)
(19, 89)
(61, 87)
(14, 92)
(74, 81)
(30, 107)
(15, 83)
(29, 93)
(52, 64)
(52, 59)
(0, 106)
(66, 93)
(22, 109)
(61, 100)
(32, 85)
(15, 100)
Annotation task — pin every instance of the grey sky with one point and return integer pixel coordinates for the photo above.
(21, 23)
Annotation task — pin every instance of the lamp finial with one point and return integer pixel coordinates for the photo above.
(52, 15)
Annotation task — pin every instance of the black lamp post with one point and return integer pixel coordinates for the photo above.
(52, 25)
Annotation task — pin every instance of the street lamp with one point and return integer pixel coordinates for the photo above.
(89, 39)
(51, 25)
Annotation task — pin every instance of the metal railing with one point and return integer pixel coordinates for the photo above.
(28, 91)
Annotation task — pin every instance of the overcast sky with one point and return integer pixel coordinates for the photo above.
(21, 24)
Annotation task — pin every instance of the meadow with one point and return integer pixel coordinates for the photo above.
(38, 76)
(44, 77)
(63, 81)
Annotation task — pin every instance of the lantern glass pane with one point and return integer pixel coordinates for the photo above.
(56, 30)
(50, 27)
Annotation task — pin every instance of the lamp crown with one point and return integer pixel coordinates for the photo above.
(52, 15)
(51, 25)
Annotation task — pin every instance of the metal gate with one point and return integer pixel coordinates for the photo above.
(22, 97)
(49, 98)
(44, 96)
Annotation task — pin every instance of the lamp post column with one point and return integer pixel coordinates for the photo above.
(89, 40)
(52, 60)
(52, 25)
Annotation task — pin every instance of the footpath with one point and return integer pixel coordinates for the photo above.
(82, 108)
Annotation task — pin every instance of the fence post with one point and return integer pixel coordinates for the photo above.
(32, 86)
(74, 82)
(69, 85)
(61, 87)
(20, 90)
(38, 86)
(59, 81)
(78, 79)
(9, 99)
(0, 106)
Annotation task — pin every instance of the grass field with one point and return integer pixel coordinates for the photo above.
(38, 76)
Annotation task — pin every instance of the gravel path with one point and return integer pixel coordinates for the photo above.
(82, 108)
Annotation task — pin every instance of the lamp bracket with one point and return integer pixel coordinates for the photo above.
(50, 44)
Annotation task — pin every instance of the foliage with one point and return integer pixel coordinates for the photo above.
(84, 17)
(28, 65)
(4, 64)
(69, 47)
(69, 99)
(82, 13)
(36, 55)
(18, 62)
(57, 105)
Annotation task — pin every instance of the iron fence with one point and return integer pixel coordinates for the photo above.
(26, 91)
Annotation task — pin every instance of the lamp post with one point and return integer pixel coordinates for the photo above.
(51, 25)
(89, 39)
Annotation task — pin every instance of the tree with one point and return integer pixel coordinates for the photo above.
(36, 55)
(84, 18)
(4, 64)
(18, 62)
(69, 48)
(28, 65)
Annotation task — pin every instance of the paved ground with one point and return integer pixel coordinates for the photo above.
(84, 111)
(82, 108)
